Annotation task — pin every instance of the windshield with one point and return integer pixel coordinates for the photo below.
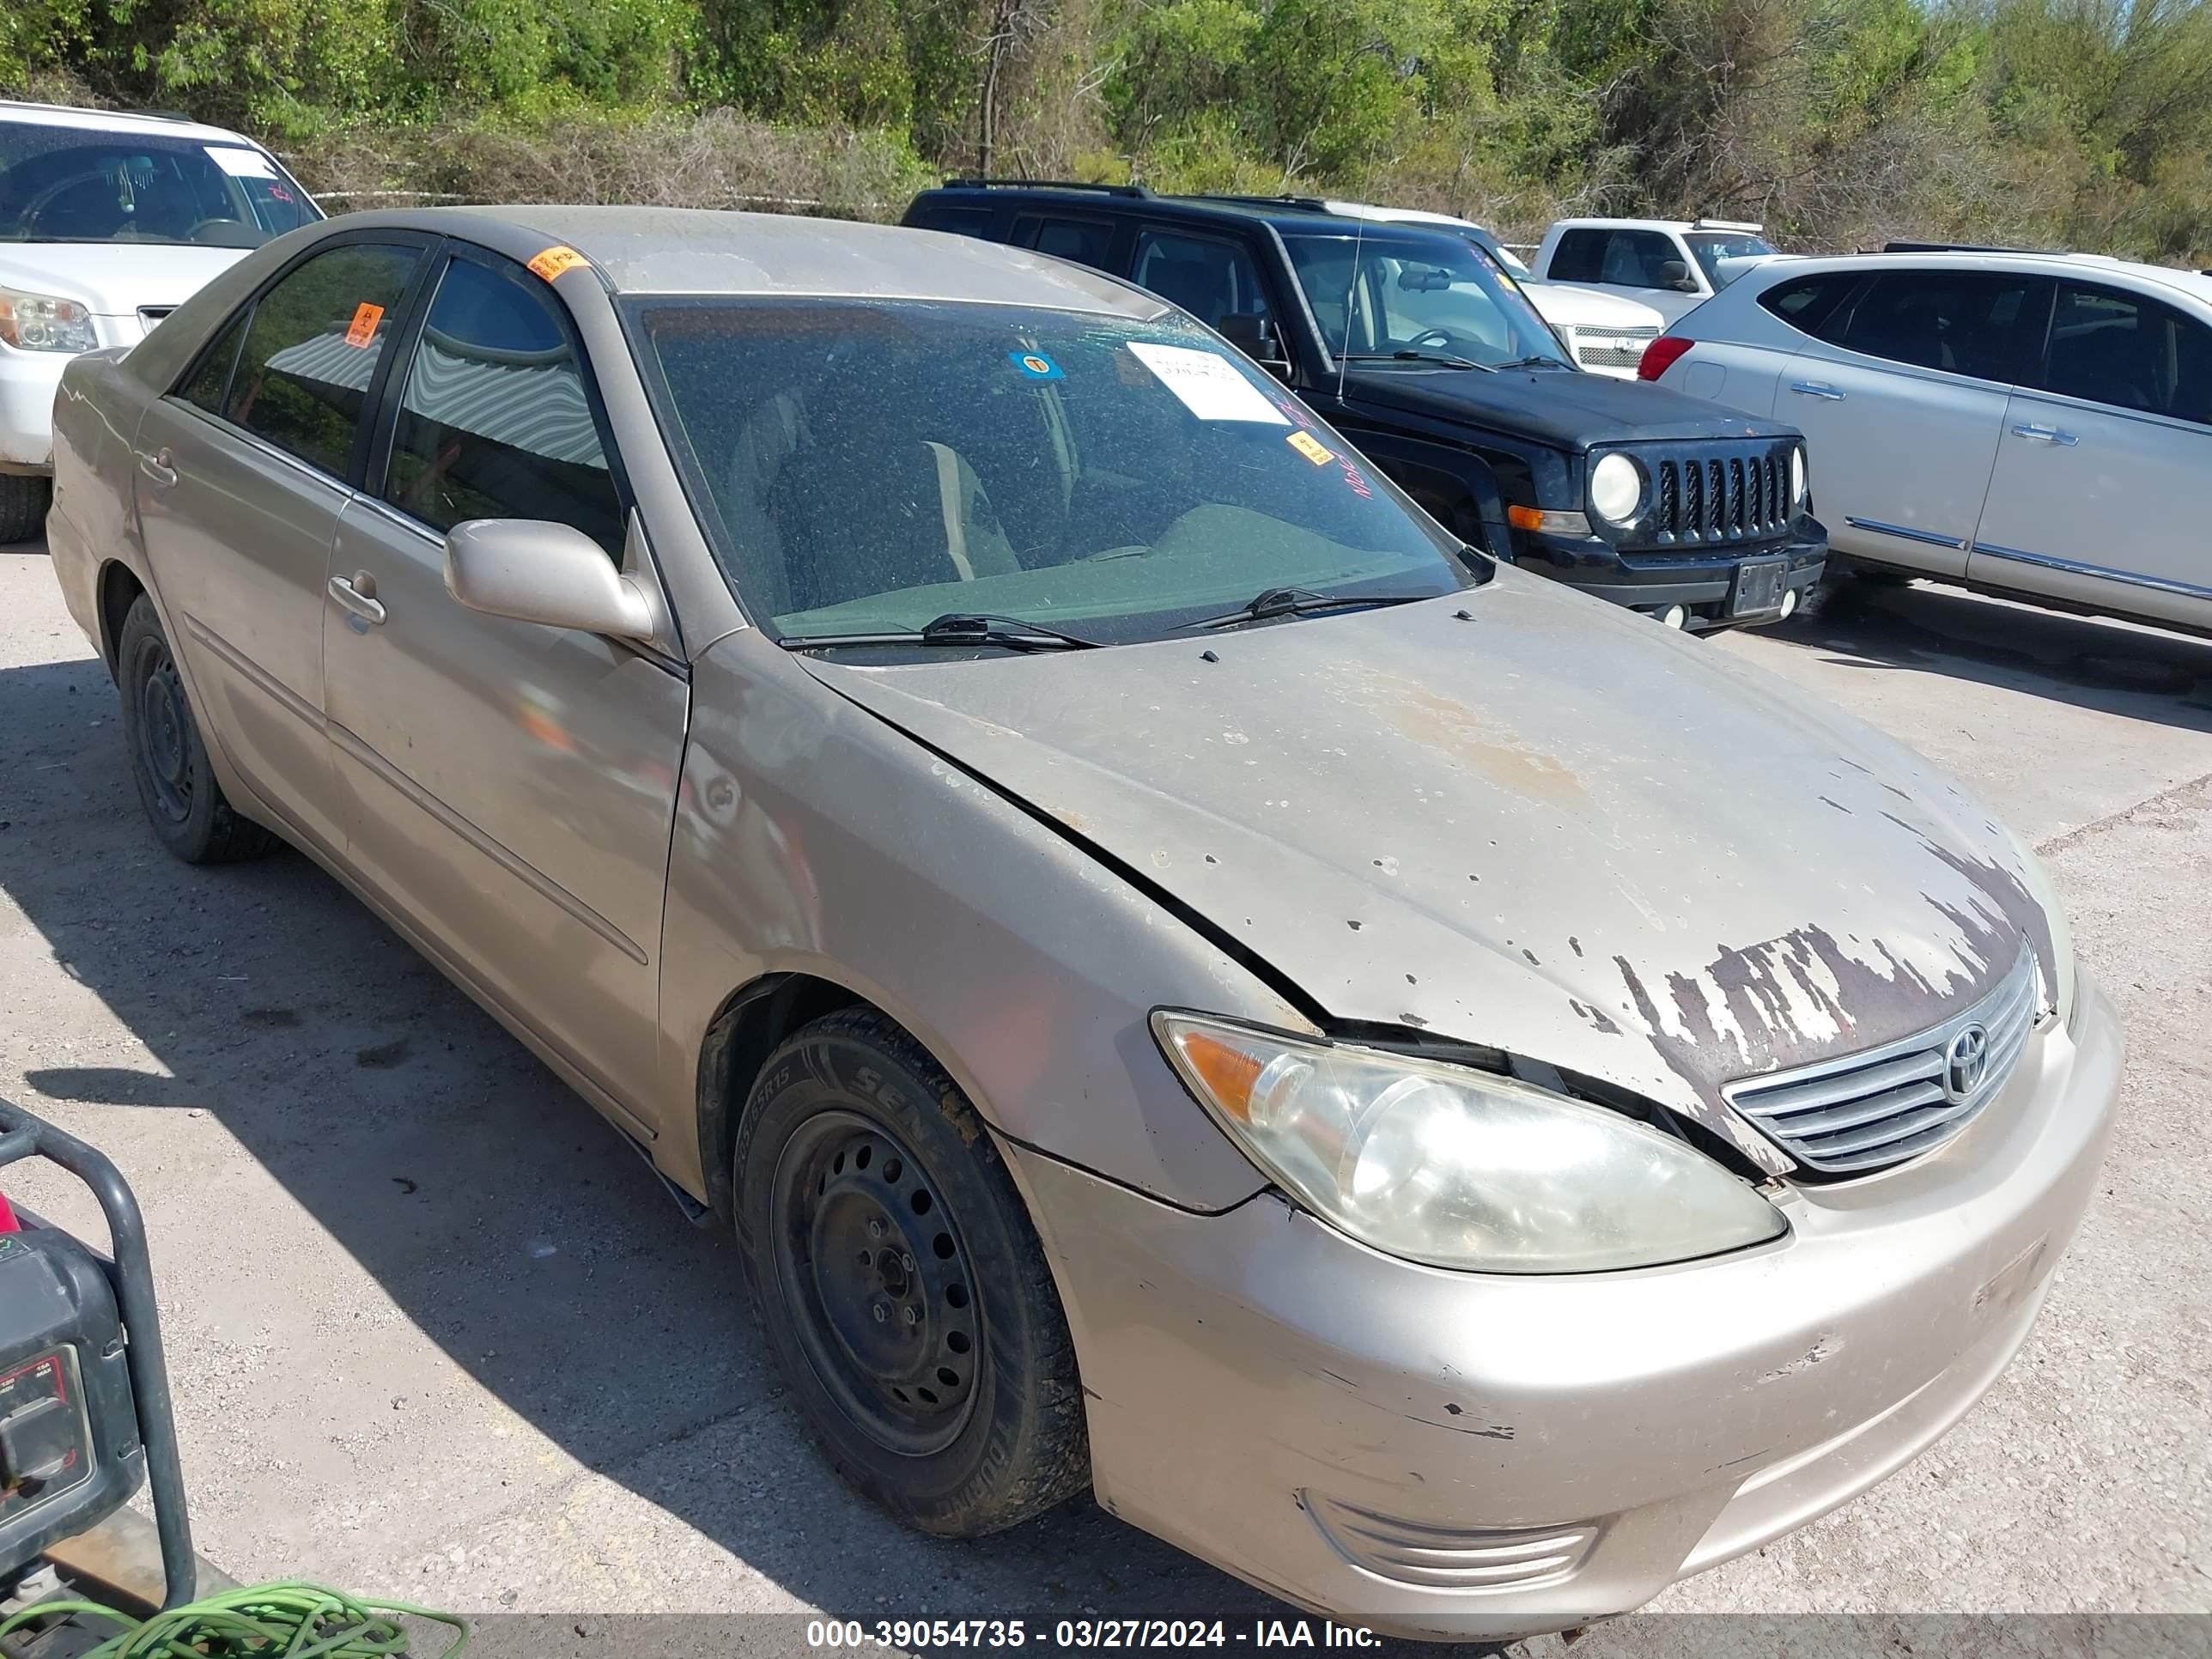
(1438, 295)
(66, 185)
(1709, 248)
(869, 466)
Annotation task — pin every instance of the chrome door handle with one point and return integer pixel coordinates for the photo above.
(2046, 434)
(157, 467)
(355, 602)
(1816, 389)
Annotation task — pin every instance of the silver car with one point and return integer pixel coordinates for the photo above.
(1449, 1101)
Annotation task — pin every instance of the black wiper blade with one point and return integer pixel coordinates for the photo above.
(1538, 362)
(1299, 602)
(1408, 355)
(955, 628)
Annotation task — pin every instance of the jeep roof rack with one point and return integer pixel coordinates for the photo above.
(1047, 184)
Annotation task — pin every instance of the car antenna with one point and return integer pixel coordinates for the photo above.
(1351, 291)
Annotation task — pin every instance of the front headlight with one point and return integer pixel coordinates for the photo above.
(1447, 1165)
(1616, 488)
(1799, 482)
(44, 322)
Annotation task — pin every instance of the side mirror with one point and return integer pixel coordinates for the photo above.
(532, 570)
(1674, 274)
(1250, 333)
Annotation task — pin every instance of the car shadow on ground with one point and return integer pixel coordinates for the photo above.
(491, 1205)
(2093, 662)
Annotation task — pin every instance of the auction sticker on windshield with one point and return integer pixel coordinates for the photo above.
(1207, 384)
(241, 163)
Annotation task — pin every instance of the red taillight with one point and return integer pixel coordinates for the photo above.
(1662, 355)
(8, 1222)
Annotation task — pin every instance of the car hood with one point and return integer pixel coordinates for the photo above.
(1552, 828)
(1585, 307)
(113, 279)
(1572, 409)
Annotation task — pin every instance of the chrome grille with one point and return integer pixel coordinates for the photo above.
(1449, 1557)
(1707, 496)
(1612, 348)
(1868, 1111)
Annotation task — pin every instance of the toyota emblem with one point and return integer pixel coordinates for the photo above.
(1966, 1061)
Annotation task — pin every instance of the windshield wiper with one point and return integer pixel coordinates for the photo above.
(1538, 362)
(956, 628)
(1299, 602)
(1408, 355)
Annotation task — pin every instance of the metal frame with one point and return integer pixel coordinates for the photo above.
(24, 1135)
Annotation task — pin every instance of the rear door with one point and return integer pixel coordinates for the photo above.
(2099, 491)
(242, 472)
(510, 787)
(1901, 393)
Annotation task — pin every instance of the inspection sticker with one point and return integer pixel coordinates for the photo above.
(1309, 446)
(362, 330)
(1207, 384)
(241, 163)
(554, 260)
(1035, 366)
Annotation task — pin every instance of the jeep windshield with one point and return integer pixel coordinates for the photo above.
(68, 185)
(1377, 295)
(867, 468)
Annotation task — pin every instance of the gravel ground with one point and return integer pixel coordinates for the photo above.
(437, 1332)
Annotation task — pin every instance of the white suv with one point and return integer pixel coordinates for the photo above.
(2038, 425)
(1673, 265)
(107, 223)
(1606, 332)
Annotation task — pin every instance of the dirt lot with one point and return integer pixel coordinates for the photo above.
(438, 1333)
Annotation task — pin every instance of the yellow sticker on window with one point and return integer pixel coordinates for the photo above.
(554, 260)
(1309, 446)
(363, 329)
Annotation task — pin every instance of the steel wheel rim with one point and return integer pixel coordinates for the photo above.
(164, 746)
(873, 1267)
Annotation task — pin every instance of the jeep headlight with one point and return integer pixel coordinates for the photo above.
(1457, 1168)
(1799, 481)
(44, 322)
(1616, 488)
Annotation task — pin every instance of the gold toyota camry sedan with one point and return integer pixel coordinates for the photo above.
(1189, 983)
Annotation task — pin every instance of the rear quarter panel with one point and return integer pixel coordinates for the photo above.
(94, 519)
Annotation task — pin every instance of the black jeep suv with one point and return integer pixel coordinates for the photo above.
(1416, 346)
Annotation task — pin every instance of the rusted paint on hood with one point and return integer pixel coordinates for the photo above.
(1553, 829)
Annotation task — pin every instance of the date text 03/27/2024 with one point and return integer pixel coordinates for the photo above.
(913, 1634)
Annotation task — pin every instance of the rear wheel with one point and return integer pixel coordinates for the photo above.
(895, 1269)
(169, 761)
(23, 506)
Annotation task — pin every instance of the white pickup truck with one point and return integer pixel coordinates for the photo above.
(1606, 332)
(1673, 265)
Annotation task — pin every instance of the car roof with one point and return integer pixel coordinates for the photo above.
(709, 251)
(1293, 214)
(123, 121)
(2195, 284)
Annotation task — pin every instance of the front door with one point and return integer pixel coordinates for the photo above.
(2098, 495)
(1901, 395)
(242, 476)
(510, 786)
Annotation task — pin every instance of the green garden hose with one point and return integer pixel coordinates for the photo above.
(276, 1621)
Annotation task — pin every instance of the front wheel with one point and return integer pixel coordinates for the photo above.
(169, 761)
(22, 507)
(894, 1267)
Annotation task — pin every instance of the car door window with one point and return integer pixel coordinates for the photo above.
(1637, 258)
(1963, 322)
(312, 350)
(1579, 257)
(1086, 241)
(2111, 346)
(1209, 279)
(209, 383)
(956, 221)
(1807, 303)
(495, 420)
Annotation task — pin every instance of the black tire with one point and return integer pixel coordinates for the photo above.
(893, 1266)
(22, 507)
(177, 785)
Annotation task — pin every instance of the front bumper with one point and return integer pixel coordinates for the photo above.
(27, 383)
(1446, 1455)
(1703, 583)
